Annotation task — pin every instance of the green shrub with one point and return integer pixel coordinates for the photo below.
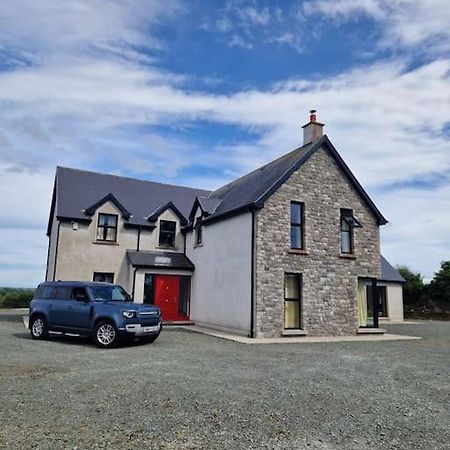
(16, 299)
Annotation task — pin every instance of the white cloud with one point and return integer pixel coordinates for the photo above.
(405, 23)
(49, 27)
(248, 23)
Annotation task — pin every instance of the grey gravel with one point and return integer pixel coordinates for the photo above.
(189, 391)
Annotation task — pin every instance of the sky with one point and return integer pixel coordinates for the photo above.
(199, 92)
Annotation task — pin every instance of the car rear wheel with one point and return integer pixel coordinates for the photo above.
(38, 328)
(105, 334)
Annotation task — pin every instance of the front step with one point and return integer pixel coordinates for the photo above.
(371, 331)
(170, 323)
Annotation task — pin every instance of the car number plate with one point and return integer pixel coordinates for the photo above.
(150, 329)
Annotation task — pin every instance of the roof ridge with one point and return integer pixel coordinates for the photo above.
(132, 178)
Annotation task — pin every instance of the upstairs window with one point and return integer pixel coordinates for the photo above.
(297, 225)
(167, 231)
(198, 232)
(107, 227)
(348, 224)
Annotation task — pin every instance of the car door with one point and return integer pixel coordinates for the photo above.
(80, 309)
(59, 306)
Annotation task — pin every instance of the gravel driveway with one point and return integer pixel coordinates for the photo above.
(189, 391)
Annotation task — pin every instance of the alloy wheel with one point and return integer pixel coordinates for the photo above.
(106, 334)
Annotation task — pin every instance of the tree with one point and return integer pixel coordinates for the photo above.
(439, 289)
(413, 287)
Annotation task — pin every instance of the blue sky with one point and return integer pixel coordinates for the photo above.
(199, 92)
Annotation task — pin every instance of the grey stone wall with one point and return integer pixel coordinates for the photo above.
(329, 304)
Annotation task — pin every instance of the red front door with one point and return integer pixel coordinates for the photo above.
(167, 294)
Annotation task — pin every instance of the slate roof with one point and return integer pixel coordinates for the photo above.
(79, 190)
(252, 190)
(169, 260)
(389, 273)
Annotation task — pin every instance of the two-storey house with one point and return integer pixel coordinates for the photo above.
(290, 248)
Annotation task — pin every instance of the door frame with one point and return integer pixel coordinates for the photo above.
(180, 276)
(370, 284)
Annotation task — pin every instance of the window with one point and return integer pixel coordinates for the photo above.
(62, 293)
(185, 295)
(149, 289)
(104, 277)
(348, 224)
(292, 301)
(108, 293)
(383, 301)
(198, 233)
(167, 231)
(297, 222)
(79, 294)
(107, 227)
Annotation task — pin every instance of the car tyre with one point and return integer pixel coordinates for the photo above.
(38, 328)
(105, 334)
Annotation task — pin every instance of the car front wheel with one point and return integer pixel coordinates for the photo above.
(105, 334)
(38, 328)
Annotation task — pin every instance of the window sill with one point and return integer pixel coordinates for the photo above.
(166, 247)
(347, 256)
(294, 333)
(298, 251)
(105, 243)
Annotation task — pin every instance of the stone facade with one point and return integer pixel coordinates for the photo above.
(329, 287)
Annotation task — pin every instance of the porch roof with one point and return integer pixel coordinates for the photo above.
(166, 260)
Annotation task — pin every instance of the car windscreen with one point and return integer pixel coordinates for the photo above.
(109, 293)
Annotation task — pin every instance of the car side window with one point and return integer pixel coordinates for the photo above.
(62, 293)
(79, 294)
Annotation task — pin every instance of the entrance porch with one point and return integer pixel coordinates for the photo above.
(162, 279)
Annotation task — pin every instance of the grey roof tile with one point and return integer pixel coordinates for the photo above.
(389, 273)
(78, 190)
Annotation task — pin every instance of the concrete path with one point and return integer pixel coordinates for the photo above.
(298, 340)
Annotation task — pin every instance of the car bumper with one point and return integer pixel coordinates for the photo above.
(142, 330)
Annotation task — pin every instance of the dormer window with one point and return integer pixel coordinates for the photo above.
(107, 227)
(167, 231)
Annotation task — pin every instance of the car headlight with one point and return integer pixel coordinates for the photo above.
(129, 314)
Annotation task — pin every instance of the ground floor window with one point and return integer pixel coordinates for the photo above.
(185, 295)
(149, 289)
(382, 293)
(371, 303)
(292, 301)
(104, 277)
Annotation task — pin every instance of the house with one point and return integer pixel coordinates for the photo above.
(291, 248)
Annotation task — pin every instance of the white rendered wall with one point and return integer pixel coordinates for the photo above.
(221, 285)
(80, 255)
(394, 294)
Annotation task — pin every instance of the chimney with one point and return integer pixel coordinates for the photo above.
(312, 130)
